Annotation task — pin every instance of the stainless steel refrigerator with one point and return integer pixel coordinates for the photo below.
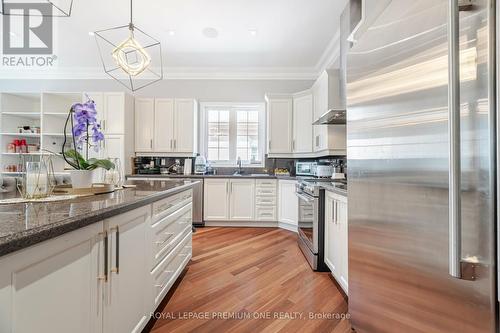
(421, 120)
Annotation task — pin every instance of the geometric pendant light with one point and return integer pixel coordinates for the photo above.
(129, 55)
(57, 8)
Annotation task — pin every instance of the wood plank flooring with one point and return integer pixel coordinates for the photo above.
(241, 279)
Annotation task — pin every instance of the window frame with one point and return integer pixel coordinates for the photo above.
(260, 107)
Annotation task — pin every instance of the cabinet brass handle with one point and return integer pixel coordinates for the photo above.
(116, 269)
(104, 276)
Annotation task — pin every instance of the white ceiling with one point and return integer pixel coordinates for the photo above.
(295, 38)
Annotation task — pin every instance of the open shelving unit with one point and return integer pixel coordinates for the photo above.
(46, 111)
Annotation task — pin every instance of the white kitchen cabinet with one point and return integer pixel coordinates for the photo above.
(114, 110)
(114, 147)
(266, 194)
(242, 199)
(216, 199)
(114, 104)
(288, 204)
(144, 124)
(279, 125)
(302, 124)
(320, 96)
(99, 278)
(166, 126)
(54, 286)
(330, 139)
(336, 238)
(229, 200)
(163, 140)
(127, 293)
(186, 126)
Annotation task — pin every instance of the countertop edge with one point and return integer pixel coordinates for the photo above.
(335, 190)
(25, 239)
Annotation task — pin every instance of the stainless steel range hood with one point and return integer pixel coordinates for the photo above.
(332, 117)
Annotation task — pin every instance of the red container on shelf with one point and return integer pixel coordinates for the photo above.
(17, 144)
(24, 146)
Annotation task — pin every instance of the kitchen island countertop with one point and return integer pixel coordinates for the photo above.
(23, 225)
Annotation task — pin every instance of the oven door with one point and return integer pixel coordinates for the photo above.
(308, 220)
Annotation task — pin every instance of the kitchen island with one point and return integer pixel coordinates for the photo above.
(94, 264)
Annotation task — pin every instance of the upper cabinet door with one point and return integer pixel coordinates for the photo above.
(280, 126)
(186, 128)
(144, 124)
(164, 125)
(302, 124)
(320, 92)
(114, 108)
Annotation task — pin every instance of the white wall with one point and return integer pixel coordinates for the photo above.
(203, 90)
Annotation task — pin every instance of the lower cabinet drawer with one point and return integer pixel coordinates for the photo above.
(265, 191)
(167, 272)
(168, 232)
(266, 183)
(168, 205)
(265, 213)
(265, 201)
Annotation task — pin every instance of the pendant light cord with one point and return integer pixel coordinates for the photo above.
(131, 11)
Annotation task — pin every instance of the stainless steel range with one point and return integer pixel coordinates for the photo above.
(312, 220)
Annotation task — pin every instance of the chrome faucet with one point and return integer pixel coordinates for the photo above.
(240, 171)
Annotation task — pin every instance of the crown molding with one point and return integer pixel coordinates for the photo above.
(175, 73)
(329, 56)
(327, 59)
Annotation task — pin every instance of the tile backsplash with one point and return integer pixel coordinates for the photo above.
(143, 165)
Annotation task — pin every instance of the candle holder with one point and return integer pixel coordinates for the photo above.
(38, 179)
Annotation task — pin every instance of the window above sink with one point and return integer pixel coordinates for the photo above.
(231, 131)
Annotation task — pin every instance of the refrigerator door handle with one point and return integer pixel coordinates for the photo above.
(455, 218)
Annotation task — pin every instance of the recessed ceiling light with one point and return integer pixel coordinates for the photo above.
(171, 32)
(210, 32)
(91, 33)
(252, 32)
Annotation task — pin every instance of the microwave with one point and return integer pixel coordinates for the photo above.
(305, 168)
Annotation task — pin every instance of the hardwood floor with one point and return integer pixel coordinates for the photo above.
(251, 275)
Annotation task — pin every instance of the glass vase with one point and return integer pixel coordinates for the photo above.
(114, 176)
(36, 181)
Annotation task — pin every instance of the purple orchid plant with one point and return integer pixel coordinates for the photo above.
(86, 133)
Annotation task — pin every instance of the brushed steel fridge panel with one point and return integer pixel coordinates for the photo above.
(398, 173)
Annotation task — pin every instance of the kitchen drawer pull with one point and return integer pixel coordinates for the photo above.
(116, 269)
(160, 286)
(104, 276)
(170, 234)
(333, 212)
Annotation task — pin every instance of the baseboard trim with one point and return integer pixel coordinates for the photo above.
(287, 226)
(246, 224)
(254, 224)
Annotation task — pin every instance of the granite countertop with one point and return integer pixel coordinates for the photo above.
(23, 225)
(250, 176)
(335, 189)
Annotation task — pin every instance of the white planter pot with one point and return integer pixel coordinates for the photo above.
(82, 178)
